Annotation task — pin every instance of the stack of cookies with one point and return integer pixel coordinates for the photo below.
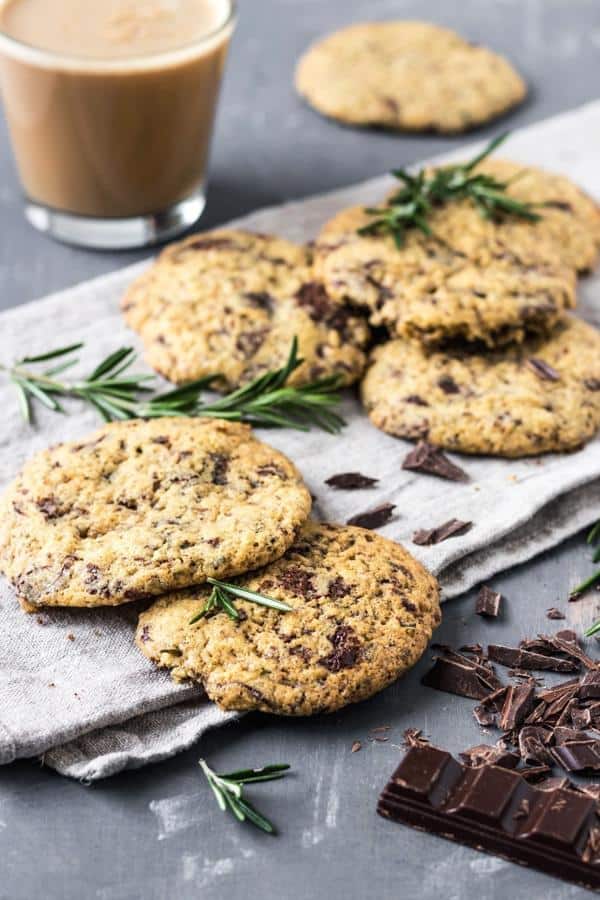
(480, 354)
(149, 511)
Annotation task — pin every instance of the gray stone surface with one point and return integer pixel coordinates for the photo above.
(157, 832)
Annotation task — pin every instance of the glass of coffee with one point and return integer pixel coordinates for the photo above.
(110, 106)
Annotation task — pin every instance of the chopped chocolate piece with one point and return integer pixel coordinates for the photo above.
(566, 635)
(533, 741)
(551, 784)
(416, 400)
(448, 384)
(413, 737)
(350, 481)
(484, 716)
(431, 460)
(578, 756)
(565, 716)
(518, 704)
(494, 808)
(563, 735)
(543, 370)
(486, 755)
(566, 689)
(459, 676)
(581, 718)
(592, 789)
(347, 650)
(589, 688)
(572, 649)
(535, 773)
(373, 518)
(525, 659)
(452, 528)
(488, 602)
(554, 613)
(537, 715)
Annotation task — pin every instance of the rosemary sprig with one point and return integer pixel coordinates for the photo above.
(115, 393)
(411, 206)
(229, 794)
(220, 599)
(592, 538)
(107, 387)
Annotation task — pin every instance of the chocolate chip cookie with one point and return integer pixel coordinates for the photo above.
(407, 75)
(143, 507)
(231, 302)
(539, 396)
(363, 613)
(471, 279)
(568, 216)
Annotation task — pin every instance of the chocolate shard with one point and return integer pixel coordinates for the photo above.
(425, 537)
(484, 716)
(515, 657)
(350, 481)
(459, 675)
(563, 735)
(373, 518)
(589, 689)
(488, 602)
(487, 755)
(533, 744)
(413, 737)
(432, 461)
(495, 809)
(543, 370)
(567, 635)
(518, 703)
(554, 613)
(535, 773)
(581, 717)
(578, 756)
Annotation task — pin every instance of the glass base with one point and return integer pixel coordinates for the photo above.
(116, 234)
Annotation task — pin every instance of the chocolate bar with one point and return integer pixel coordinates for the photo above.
(493, 808)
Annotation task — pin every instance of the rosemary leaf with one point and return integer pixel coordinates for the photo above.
(245, 594)
(419, 194)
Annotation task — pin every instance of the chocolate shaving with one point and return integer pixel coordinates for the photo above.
(554, 613)
(432, 461)
(489, 755)
(542, 369)
(525, 659)
(456, 674)
(518, 704)
(373, 518)
(488, 602)
(350, 481)
(578, 756)
(590, 686)
(452, 528)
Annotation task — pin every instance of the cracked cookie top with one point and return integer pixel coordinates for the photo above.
(363, 613)
(536, 397)
(143, 507)
(231, 302)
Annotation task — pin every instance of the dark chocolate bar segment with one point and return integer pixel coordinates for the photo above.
(495, 809)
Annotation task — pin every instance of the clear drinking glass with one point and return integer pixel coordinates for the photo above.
(113, 153)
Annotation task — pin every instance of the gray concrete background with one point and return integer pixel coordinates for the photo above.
(157, 832)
